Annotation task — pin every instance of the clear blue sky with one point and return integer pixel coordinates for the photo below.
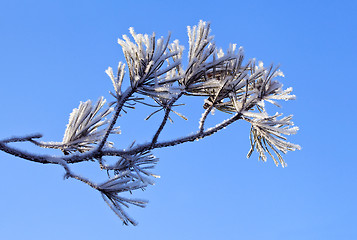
(53, 55)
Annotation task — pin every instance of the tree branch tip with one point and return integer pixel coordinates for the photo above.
(36, 135)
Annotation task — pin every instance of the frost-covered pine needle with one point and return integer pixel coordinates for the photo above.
(82, 130)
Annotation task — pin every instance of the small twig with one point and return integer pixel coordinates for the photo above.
(22, 139)
(53, 145)
(203, 118)
(164, 120)
(162, 125)
(70, 174)
(208, 110)
(126, 95)
(30, 138)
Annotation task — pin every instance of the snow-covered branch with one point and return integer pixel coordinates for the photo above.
(227, 81)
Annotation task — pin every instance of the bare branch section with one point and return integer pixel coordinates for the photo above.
(158, 80)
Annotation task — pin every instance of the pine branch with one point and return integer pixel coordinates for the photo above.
(156, 72)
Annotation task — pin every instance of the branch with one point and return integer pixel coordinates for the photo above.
(130, 91)
(22, 139)
(70, 174)
(164, 121)
(53, 145)
(44, 159)
(230, 87)
(162, 125)
(95, 153)
(203, 118)
(30, 138)
(25, 155)
(190, 138)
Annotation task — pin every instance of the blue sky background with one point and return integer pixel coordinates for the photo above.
(53, 55)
